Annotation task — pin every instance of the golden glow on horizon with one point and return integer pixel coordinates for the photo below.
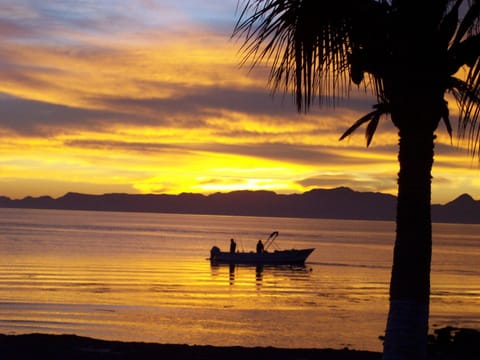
(159, 112)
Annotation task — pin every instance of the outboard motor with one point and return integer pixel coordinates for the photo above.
(213, 252)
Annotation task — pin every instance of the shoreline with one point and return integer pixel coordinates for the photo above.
(446, 343)
(46, 346)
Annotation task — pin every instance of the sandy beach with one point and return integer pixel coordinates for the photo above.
(447, 343)
(40, 346)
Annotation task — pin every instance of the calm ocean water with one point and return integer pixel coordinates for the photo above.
(145, 277)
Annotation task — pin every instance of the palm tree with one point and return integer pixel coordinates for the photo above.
(409, 54)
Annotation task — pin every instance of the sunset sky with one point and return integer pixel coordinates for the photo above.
(147, 96)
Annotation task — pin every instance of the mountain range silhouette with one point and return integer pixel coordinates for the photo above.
(338, 203)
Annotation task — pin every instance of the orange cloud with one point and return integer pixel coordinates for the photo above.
(166, 108)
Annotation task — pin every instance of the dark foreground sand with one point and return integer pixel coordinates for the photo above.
(446, 344)
(39, 346)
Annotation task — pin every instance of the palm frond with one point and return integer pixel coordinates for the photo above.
(446, 119)
(307, 43)
(372, 127)
(372, 118)
(471, 107)
(464, 53)
(467, 95)
(448, 25)
(364, 119)
(469, 21)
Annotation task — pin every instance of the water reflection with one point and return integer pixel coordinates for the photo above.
(232, 273)
(258, 276)
(245, 274)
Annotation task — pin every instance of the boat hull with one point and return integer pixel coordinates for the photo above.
(276, 257)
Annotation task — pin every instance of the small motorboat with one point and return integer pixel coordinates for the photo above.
(279, 257)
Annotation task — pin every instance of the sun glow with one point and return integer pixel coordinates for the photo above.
(163, 106)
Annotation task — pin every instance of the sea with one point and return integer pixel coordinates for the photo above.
(146, 277)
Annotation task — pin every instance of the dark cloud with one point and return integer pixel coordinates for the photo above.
(190, 111)
(283, 152)
(295, 153)
(10, 28)
(300, 154)
(205, 100)
(378, 182)
(142, 147)
(31, 118)
(58, 22)
(444, 151)
(197, 102)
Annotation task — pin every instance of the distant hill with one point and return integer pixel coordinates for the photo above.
(339, 203)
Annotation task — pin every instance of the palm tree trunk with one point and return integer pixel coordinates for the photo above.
(407, 324)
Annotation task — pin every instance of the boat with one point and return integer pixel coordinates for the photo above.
(276, 257)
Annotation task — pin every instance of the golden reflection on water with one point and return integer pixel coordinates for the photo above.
(150, 280)
(192, 301)
(192, 284)
(264, 287)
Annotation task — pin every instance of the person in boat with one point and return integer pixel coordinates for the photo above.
(259, 247)
(233, 246)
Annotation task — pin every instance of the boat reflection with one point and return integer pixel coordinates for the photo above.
(291, 272)
(231, 272)
(259, 274)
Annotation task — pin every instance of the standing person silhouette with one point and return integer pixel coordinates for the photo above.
(233, 246)
(259, 247)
